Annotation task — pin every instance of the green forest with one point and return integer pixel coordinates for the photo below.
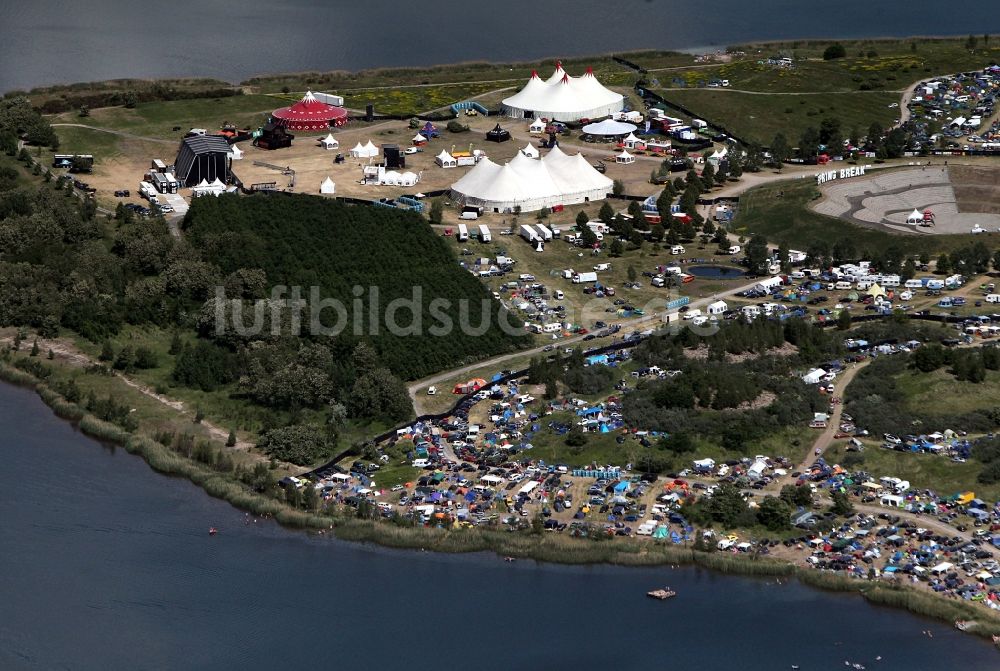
(307, 241)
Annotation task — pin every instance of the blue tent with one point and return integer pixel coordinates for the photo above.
(621, 487)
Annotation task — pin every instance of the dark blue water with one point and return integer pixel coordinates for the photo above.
(60, 41)
(716, 272)
(107, 565)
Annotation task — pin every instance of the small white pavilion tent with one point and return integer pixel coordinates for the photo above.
(446, 160)
(531, 151)
(624, 157)
(329, 142)
(327, 186)
(915, 217)
(235, 153)
(537, 127)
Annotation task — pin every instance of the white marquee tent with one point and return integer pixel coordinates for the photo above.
(445, 160)
(419, 140)
(609, 127)
(364, 151)
(564, 98)
(556, 179)
(327, 186)
(624, 157)
(531, 151)
(537, 127)
(329, 142)
(916, 217)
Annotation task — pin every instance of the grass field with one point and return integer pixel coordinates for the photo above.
(780, 212)
(924, 471)
(418, 99)
(759, 117)
(158, 119)
(942, 392)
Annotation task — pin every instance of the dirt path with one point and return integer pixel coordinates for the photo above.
(70, 353)
(826, 438)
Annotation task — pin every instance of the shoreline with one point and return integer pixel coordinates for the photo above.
(554, 549)
(249, 80)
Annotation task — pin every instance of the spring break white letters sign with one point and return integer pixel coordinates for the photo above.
(853, 171)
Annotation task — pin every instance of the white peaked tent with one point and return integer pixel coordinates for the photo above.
(632, 142)
(419, 140)
(408, 179)
(531, 151)
(563, 97)
(537, 127)
(329, 142)
(445, 160)
(364, 151)
(624, 157)
(235, 153)
(916, 217)
(609, 127)
(327, 186)
(556, 179)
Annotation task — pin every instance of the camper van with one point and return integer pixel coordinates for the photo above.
(484, 233)
(734, 249)
(993, 298)
(463, 233)
(658, 282)
(913, 284)
(676, 250)
(559, 295)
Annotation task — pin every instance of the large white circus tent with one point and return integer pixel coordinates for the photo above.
(531, 184)
(563, 98)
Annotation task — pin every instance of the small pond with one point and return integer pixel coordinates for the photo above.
(716, 272)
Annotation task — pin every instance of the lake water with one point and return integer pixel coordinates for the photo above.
(60, 41)
(716, 272)
(106, 565)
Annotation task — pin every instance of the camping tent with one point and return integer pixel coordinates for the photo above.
(445, 160)
(327, 186)
(530, 151)
(563, 97)
(498, 134)
(235, 153)
(329, 142)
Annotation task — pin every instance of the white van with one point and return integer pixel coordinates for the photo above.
(913, 284)
(559, 295)
(993, 298)
(842, 285)
(420, 463)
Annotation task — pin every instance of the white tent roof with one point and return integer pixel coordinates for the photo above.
(327, 186)
(537, 123)
(564, 97)
(445, 157)
(218, 184)
(632, 138)
(418, 138)
(330, 140)
(609, 127)
(625, 155)
(916, 215)
(556, 178)
(530, 151)
(371, 147)
(236, 152)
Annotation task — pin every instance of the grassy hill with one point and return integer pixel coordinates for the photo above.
(311, 241)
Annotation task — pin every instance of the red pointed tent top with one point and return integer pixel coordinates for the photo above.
(559, 65)
(590, 70)
(565, 78)
(534, 74)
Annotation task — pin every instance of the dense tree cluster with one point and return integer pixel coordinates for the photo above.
(304, 241)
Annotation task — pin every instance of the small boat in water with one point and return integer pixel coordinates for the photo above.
(661, 594)
(963, 625)
(508, 559)
(212, 531)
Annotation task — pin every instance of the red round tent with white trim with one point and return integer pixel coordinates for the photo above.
(310, 114)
